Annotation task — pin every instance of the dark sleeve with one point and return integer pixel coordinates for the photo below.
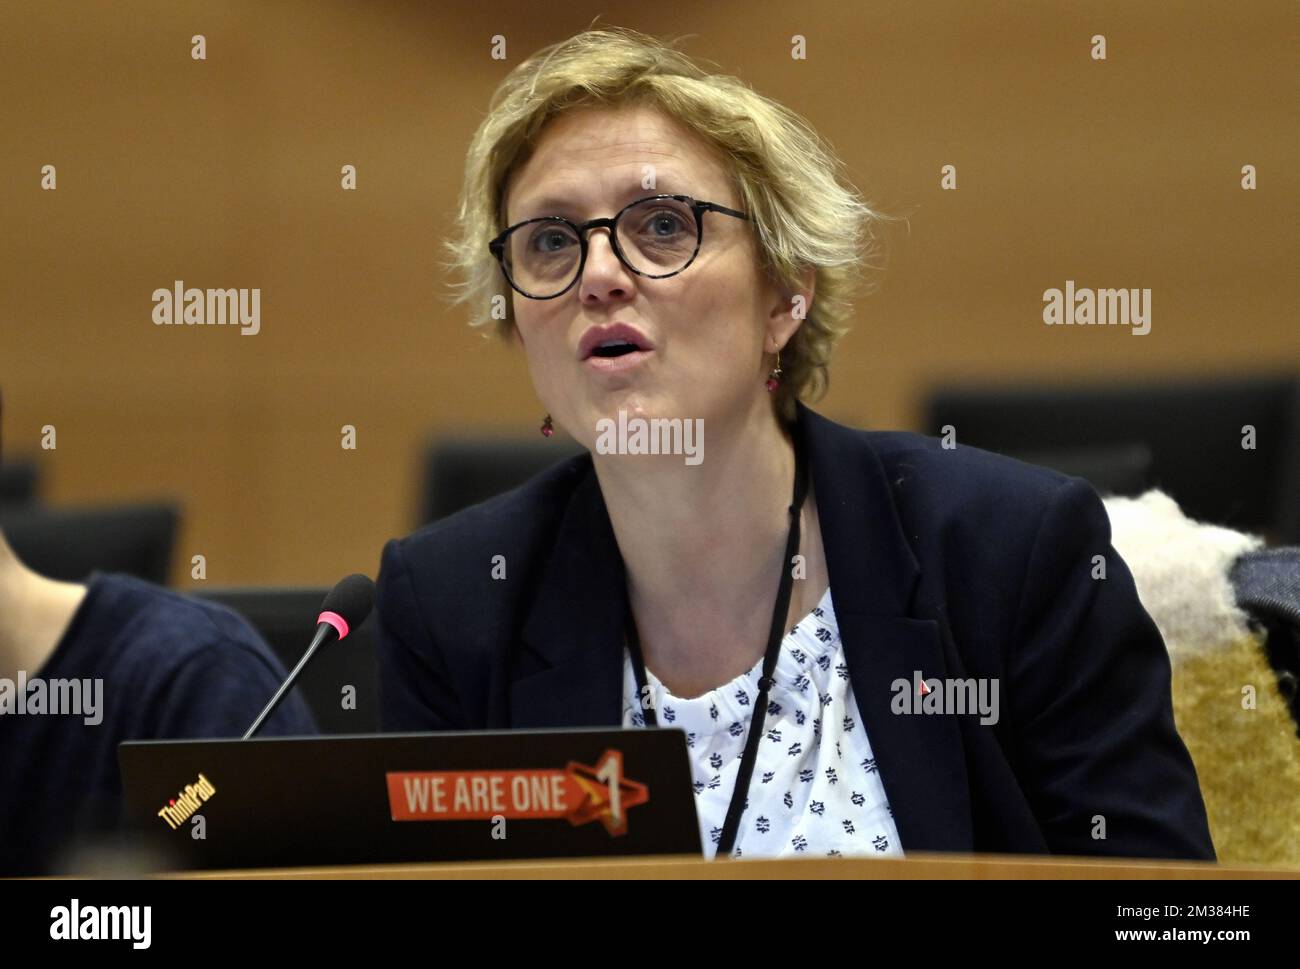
(1089, 694)
(219, 690)
(415, 688)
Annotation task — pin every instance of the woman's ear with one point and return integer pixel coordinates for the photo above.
(792, 307)
(804, 295)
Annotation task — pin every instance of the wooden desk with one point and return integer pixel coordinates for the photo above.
(915, 866)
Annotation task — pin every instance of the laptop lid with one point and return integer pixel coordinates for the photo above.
(385, 798)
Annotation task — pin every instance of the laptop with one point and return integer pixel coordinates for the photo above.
(387, 798)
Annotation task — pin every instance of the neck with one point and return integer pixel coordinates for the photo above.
(703, 547)
(34, 614)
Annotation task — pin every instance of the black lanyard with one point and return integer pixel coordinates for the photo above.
(738, 795)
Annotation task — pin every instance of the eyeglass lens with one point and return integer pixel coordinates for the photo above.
(657, 236)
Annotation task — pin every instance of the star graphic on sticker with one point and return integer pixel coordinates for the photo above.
(592, 789)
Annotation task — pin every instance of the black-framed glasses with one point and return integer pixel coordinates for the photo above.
(655, 237)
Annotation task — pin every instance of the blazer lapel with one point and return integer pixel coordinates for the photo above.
(872, 576)
(571, 672)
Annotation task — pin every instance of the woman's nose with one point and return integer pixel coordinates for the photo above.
(604, 274)
(600, 251)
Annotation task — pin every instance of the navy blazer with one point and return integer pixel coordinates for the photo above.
(956, 562)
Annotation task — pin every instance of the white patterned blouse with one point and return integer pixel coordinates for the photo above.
(815, 789)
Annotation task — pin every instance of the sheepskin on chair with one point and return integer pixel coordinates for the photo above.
(1227, 703)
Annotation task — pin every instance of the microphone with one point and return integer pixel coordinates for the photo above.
(345, 607)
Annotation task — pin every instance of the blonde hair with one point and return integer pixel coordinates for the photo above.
(785, 174)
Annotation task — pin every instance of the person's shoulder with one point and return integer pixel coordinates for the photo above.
(977, 521)
(156, 624)
(187, 666)
(960, 470)
(518, 521)
(935, 481)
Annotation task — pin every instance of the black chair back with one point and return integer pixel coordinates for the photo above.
(19, 481)
(460, 472)
(1183, 436)
(70, 543)
(286, 619)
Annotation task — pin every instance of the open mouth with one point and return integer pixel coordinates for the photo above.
(615, 348)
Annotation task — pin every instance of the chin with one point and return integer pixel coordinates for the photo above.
(634, 404)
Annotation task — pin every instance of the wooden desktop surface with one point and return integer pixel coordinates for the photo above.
(915, 866)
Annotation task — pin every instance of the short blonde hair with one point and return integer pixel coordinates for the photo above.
(785, 174)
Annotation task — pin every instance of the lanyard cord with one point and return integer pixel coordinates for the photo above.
(731, 825)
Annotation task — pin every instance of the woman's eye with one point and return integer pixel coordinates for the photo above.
(663, 224)
(550, 240)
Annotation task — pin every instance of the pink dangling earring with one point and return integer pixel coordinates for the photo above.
(547, 427)
(774, 378)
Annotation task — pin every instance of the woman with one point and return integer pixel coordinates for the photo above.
(800, 597)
